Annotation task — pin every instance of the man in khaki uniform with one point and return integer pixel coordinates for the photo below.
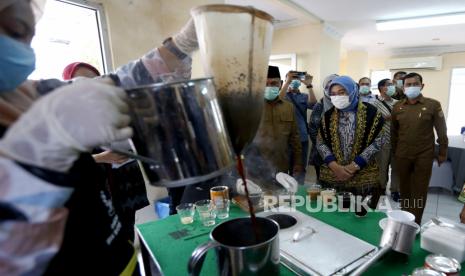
(412, 138)
(278, 130)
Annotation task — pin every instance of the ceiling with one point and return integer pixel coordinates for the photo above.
(355, 20)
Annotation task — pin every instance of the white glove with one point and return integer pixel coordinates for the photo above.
(251, 186)
(186, 39)
(287, 181)
(73, 119)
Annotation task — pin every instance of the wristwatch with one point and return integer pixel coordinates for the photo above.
(356, 166)
(310, 86)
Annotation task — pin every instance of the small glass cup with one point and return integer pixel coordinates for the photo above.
(186, 212)
(207, 212)
(313, 191)
(222, 208)
(360, 210)
(328, 196)
(345, 199)
(219, 193)
(257, 200)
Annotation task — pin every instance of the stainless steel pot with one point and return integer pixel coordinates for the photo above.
(238, 253)
(398, 236)
(180, 135)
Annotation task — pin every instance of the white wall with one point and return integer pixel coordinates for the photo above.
(317, 53)
(437, 83)
(135, 27)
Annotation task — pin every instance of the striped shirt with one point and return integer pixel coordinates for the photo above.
(381, 103)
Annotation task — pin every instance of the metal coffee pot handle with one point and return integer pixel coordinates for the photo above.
(135, 156)
(198, 256)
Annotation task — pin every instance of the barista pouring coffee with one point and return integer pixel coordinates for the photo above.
(51, 199)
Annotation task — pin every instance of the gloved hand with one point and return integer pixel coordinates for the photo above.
(251, 186)
(287, 181)
(72, 119)
(186, 39)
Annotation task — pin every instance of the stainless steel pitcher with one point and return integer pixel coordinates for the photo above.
(238, 253)
(398, 236)
(179, 132)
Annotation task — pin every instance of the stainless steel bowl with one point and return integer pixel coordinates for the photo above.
(180, 135)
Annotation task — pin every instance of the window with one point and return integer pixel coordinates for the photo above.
(456, 113)
(286, 63)
(70, 31)
(376, 76)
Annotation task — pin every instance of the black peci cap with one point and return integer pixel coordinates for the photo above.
(273, 72)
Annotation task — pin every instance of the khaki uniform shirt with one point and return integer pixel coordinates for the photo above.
(412, 134)
(278, 130)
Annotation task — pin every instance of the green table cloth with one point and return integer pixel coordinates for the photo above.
(172, 243)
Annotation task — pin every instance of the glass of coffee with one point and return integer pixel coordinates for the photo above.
(360, 210)
(345, 199)
(313, 191)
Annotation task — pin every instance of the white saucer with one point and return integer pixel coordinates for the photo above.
(382, 224)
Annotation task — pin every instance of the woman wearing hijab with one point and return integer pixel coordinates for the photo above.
(80, 69)
(348, 139)
(314, 124)
(55, 216)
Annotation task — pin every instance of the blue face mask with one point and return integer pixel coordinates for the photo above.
(271, 93)
(412, 92)
(364, 89)
(17, 62)
(295, 84)
(391, 90)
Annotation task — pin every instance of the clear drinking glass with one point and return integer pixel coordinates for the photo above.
(186, 212)
(207, 212)
(222, 208)
(313, 191)
(328, 196)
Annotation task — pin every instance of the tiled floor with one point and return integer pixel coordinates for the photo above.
(443, 204)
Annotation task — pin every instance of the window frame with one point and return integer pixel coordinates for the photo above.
(451, 74)
(102, 27)
(374, 85)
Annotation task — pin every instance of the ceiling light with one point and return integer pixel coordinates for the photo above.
(420, 22)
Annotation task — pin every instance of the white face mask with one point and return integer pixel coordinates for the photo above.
(340, 102)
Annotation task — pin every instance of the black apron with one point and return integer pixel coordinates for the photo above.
(95, 241)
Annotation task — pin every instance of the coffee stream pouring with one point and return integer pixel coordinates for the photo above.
(235, 45)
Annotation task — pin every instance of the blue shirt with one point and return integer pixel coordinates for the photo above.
(300, 101)
(370, 98)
